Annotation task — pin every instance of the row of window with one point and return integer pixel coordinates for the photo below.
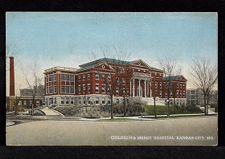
(67, 77)
(64, 77)
(51, 89)
(84, 100)
(63, 90)
(102, 76)
(67, 89)
(84, 76)
(50, 78)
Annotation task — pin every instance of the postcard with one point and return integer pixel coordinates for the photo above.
(111, 79)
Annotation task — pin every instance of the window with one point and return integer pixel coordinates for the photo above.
(71, 89)
(96, 76)
(84, 87)
(103, 88)
(156, 84)
(54, 77)
(88, 76)
(97, 100)
(97, 88)
(160, 85)
(84, 77)
(103, 100)
(117, 91)
(89, 86)
(51, 89)
(123, 80)
(71, 77)
(55, 89)
(51, 77)
(79, 88)
(109, 87)
(62, 100)
(71, 101)
(79, 77)
(67, 100)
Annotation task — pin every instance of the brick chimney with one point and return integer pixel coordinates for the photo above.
(11, 77)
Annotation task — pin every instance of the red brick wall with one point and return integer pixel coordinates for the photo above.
(12, 77)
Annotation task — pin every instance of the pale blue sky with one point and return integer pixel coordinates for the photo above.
(67, 39)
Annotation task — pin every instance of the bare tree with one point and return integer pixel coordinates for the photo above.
(34, 83)
(205, 76)
(116, 74)
(170, 68)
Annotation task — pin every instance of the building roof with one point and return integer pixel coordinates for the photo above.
(141, 61)
(59, 68)
(114, 61)
(106, 60)
(174, 78)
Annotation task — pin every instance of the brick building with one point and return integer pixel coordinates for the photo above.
(178, 89)
(94, 81)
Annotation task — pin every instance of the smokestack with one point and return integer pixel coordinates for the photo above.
(11, 77)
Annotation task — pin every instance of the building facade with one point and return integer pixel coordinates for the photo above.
(195, 97)
(174, 87)
(95, 81)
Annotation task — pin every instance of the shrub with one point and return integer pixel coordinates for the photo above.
(162, 110)
(193, 109)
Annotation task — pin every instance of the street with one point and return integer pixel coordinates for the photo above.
(198, 131)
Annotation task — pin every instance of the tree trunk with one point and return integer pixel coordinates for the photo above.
(174, 106)
(168, 100)
(155, 108)
(168, 107)
(124, 106)
(111, 106)
(206, 111)
(15, 110)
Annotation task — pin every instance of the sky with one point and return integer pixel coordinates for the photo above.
(69, 39)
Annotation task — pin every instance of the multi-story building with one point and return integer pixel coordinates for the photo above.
(195, 97)
(95, 81)
(174, 87)
(59, 86)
